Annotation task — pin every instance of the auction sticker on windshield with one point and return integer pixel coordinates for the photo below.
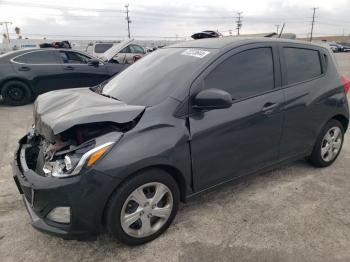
(195, 52)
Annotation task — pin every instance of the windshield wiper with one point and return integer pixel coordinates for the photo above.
(110, 96)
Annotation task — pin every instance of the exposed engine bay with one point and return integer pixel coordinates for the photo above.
(60, 157)
(72, 125)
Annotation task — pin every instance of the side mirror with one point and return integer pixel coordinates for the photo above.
(94, 62)
(212, 99)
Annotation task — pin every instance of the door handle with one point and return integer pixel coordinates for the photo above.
(24, 68)
(69, 68)
(269, 107)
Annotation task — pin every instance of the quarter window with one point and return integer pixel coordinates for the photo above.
(245, 74)
(301, 64)
(37, 57)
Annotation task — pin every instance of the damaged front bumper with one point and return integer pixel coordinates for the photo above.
(85, 196)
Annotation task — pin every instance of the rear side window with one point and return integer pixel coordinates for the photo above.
(245, 74)
(37, 57)
(301, 64)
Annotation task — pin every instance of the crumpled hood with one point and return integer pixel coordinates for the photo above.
(57, 111)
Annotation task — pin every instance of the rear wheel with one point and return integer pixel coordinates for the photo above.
(16, 93)
(143, 207)
(328, 144)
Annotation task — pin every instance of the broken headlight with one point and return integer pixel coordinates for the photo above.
(72, 163)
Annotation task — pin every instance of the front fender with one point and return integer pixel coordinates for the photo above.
(159, 145)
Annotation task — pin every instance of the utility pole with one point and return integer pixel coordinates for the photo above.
(279, 36)
(277, 27)
(7, 30)
(312, 24)
(128, 19)
(239, 21)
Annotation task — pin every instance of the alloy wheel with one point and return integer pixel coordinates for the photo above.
(146, 210)
(15, 93)
(331, 144)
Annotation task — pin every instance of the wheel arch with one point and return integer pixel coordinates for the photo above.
(343, 120)
(172, 171)
(23, 80)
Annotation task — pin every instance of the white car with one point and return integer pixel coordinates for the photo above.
(125, 52)
(97, 49)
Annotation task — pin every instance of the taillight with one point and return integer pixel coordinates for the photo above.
(346, 83)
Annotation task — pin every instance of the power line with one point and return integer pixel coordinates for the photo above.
(312, 23)
(102, 36)
(59, 7)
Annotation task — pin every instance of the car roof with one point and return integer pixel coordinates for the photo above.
(15, 53)
(231, 41)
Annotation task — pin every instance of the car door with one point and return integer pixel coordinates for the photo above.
(228, 143)
(41, 68)
(123, 55)
(78, 72)
(303, 81)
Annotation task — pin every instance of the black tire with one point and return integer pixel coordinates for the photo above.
(116, 203)
(16, 93)
(316, 158)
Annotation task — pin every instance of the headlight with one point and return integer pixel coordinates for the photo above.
(91, 157)
(72, 164)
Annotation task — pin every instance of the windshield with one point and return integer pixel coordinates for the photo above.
(153, 78)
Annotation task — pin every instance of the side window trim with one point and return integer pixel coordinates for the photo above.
(284, 83)
(198, 83)
(35, 51)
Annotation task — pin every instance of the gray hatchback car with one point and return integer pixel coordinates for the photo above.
(184, 119)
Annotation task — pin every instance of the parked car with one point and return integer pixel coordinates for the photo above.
(206, 34)
(121, 156)
(61, 44)
(96, 49)
(346, 47)
(125, 52)
(336, 47)
(25, 74)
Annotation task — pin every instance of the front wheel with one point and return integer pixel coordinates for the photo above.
(143, 207)
(328, 144)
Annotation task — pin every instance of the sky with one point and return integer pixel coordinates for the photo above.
(105, 19)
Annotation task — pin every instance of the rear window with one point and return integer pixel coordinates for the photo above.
(301, 64)
(101, 48)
